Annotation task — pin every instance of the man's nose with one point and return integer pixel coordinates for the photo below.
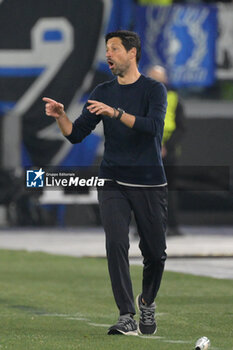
(108, 54)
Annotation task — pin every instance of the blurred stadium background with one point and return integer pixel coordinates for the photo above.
(58, 51)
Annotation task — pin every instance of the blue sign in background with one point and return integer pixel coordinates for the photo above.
(182, 39)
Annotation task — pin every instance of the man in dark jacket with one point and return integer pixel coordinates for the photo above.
(132, 108)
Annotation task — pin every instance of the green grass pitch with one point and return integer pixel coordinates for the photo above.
(56, 302)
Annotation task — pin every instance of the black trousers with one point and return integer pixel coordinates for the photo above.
(150, 210)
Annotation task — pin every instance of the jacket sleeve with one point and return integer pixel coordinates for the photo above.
(85, 123)
(153, 121)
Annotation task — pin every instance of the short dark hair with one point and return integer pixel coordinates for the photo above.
(129, 40)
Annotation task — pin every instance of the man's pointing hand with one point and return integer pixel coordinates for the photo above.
(53, 108)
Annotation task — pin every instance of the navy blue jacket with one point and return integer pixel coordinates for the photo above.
(131, 155)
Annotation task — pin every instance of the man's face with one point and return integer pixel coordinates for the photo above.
(119, 60)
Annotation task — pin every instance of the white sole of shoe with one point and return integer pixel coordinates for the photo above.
(135, 333)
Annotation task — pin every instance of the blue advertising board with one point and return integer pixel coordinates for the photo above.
(180, 38)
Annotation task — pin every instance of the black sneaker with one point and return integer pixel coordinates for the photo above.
(125, 325)
(147, 323)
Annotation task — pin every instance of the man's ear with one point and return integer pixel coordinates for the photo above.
(133, 52)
